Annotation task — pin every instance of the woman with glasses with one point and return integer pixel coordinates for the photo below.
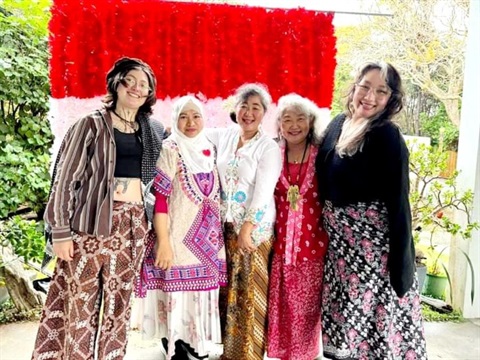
(371, 304)
(98, 219)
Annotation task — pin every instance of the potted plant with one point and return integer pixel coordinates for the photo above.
(421, 268)
(434, 200)
(436, 272)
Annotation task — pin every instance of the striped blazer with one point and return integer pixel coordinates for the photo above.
(81, 197)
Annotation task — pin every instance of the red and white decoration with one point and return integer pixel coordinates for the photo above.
(194, 48)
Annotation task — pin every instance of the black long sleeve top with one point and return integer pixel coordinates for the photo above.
(379, 172)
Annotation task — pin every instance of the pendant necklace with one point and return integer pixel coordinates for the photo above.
(293, 192)
(131, 124)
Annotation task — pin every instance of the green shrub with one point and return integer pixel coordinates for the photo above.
(9, 313)
(440, 129)
(25, 180)
(433, 197)
(25, 236)
(431, 315)
(434, 200)
(24, 128)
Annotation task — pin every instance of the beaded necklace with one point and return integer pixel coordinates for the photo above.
(293, 192)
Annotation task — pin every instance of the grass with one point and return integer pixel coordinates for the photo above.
(10, 314)
(431, 315)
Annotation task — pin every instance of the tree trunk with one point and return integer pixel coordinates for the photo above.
(17, 282)
(416, 117)
(453, 111)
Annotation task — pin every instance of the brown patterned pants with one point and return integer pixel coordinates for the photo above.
(100, 276)
(243, 303)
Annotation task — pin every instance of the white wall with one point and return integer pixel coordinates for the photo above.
(468, 162)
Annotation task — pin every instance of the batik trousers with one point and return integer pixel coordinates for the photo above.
(87, 310)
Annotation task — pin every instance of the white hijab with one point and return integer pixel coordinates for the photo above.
(197, 152)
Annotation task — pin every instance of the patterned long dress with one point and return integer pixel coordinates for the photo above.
(182, 303)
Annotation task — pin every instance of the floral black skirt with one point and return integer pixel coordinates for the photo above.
(362, 317)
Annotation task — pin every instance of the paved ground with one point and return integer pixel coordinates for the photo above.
(445, 341)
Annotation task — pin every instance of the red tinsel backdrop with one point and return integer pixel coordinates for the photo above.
(192, 47)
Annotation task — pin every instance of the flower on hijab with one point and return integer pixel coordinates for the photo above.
(206, 152)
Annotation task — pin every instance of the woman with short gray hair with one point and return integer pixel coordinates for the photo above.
(249, 164)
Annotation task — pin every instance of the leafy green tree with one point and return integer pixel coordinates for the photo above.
(24, 88)
(440, 129)
(25, 139)
(425, 40)
(34, 13)
(343, 81)
(344, 70)
(418, 105)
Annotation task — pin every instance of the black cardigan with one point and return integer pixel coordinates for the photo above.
(379, 172)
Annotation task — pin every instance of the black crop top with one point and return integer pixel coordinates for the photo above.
(129, 154)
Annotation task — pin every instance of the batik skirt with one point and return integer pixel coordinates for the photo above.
(294, 308)
(362, 317)
(243, 303)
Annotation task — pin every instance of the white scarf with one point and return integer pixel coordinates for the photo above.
(197, 152)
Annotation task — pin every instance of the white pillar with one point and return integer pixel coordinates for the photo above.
(468, 163)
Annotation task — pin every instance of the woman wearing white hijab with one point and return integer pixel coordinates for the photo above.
(186, 267)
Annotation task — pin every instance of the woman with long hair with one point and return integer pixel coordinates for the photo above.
(371, 304)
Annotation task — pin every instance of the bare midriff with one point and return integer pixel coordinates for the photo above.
(127, 189)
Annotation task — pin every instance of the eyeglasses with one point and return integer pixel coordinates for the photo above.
(129, 82)
(379, 93)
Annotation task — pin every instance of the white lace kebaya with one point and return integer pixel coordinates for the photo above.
(248, 177)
